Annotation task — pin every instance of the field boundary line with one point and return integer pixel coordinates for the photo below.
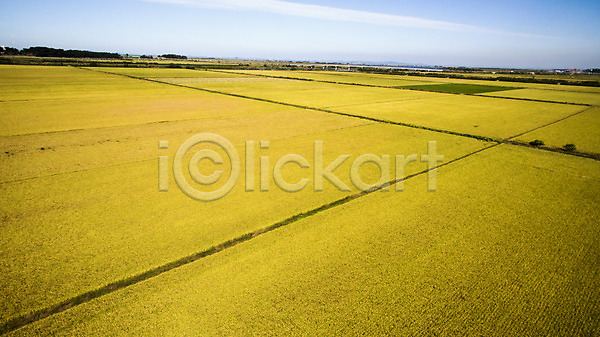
(23, 320)
(594, 156)
(400, 88)
(551, 123)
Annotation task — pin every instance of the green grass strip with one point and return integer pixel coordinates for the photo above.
(588, 155)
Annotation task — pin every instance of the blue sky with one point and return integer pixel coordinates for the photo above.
(523, 33)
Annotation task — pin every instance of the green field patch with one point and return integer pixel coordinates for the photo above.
(457, 88)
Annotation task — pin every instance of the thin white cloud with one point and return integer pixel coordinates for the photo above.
(336, 14)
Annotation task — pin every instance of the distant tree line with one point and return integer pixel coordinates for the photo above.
(54, 52)
(9, 51)
(173, 56)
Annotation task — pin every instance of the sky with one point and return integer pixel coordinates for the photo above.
(511, 33)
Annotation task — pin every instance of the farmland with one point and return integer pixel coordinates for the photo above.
(419, 270)
(508, 244)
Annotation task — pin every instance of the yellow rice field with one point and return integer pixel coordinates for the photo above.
(507, 242)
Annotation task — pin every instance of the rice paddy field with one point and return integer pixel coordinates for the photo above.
(506, 244)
